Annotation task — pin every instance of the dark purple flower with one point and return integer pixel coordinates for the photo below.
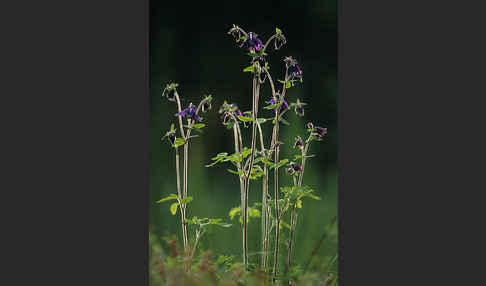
(272, 101)
(299, 108)
(171, 136)
(289, 170)
(189, 112)
(319, 131)
(252, 42)
(293, 68)
(299, 143)
(169, 91)
(206, 106)
(296, 167)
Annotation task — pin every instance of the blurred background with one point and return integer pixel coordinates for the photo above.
(189, 45)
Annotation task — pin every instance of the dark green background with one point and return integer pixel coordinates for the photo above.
(189, 45)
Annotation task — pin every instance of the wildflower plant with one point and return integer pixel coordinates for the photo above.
(254, 160)
(191, 115)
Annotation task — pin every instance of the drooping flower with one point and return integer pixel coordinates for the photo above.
(272, 101)
(280, 39)
(206, 105)
(299, 143)
(171, 136)
(229, 112)
(236, 32)
(189, 112)
(261, 66)
(252, 42)
(293, 69)
(169, 91)
(299, 108)
(296, 167)
(320, 131)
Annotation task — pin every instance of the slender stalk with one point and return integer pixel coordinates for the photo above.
(256, 87)
(181, 195)
(198, 236)
(275, 194)
(293, 221)
(181, 206)
(294, 209)
(276, 160)
(264, 201)
(237, 138)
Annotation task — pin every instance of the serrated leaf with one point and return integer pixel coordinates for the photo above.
(173, 208)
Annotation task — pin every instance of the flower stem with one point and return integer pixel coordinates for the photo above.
(182, 195)
(294, 209)
(276, 160)
(264, 202)
(256, 87)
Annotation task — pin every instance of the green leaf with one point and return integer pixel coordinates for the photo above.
(186, 200)
(284, 121)
(234, 172)
(249, 69)
(244, 118)
(267, 162)
(287, 84)
(300, 156)
(280, 164)
(261, 120)
(168, 198)
(252, 212)
(299, 204)
(284, 224)
(199, 125)
(172, 128)
(234, 211)
(173, 208)
(277, 31)
(246, 151)
(179, 142)
(272, 106)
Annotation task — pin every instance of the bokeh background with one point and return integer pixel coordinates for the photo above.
(189, 45)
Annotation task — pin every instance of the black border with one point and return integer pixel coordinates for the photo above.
(79, 75)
